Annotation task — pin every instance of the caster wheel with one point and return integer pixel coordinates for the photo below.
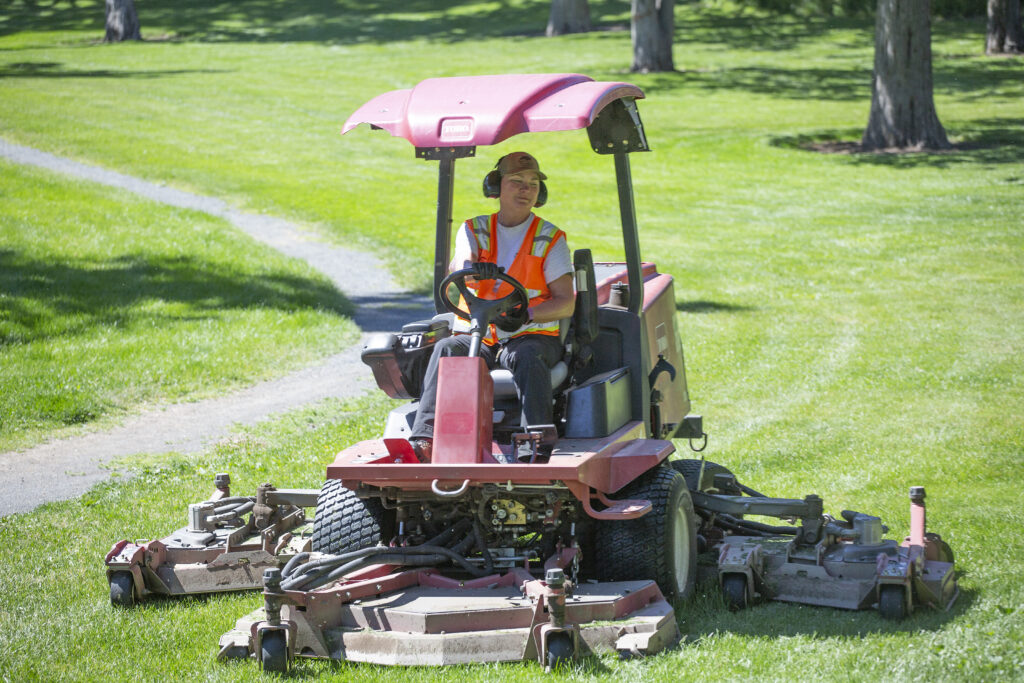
(274, 651)
(560, 650)
(122, 590)
(736, 591)
(892, 602)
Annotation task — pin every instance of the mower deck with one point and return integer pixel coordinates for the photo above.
(424, 618)
(226, 546)
(844, 576)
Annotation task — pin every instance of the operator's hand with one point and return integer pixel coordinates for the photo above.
(510, 322)
(487, 271)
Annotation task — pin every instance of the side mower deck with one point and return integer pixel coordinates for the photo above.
(226, 546)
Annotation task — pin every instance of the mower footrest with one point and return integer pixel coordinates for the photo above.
(623, 509)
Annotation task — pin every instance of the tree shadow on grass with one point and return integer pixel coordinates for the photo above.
(60, 70)
(44, 300)
(390, 312)
(341, 22)
(964, 81)
(751, 32)
(786, 620)
(983, 142)
(711, 307)
(831, 84)
(382, 21)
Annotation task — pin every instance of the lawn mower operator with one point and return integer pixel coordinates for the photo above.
(535, 253)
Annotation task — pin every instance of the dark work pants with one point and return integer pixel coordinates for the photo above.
(529, 358)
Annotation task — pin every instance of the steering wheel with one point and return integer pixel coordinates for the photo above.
(513, 304)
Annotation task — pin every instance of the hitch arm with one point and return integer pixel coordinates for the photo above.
(809, 510)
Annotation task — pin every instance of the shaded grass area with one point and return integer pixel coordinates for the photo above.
(108, 301)
(337, 22)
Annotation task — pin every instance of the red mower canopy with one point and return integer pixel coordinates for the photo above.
(485, 110)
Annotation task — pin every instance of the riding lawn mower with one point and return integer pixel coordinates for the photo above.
(518, 541)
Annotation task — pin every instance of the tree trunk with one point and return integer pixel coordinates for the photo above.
(568, 16)
(122, 21)
(1005, 33)
(902, 106)
(653, 26)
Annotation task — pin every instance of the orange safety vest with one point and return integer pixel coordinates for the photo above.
(527, 268)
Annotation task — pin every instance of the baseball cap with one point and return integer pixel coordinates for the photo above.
(517, 162)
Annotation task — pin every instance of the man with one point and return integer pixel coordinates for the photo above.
(535, 253)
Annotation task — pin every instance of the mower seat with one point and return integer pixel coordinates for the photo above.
(504, 387)
(583, 325)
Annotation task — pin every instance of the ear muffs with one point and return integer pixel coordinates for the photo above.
(492, 186)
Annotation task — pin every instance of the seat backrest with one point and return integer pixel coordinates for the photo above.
(583, 326)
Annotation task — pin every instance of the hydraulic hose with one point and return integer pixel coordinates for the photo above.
(464, 545)
(330, 569)
(223, 514)
(481, 545)
(296, 576)
(750, 492)
(233, 500)
(301, 573)
(735, 524)
(228, 509)
(445, 537)
(294, 562)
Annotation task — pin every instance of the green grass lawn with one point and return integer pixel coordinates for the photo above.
(109, 302)
(853, 324)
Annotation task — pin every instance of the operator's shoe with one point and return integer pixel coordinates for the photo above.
(423, 448)
(524, 452)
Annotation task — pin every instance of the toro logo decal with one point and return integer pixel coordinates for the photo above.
(456, 129)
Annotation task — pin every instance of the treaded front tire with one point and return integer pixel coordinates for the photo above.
(660, 546)
(346, 522)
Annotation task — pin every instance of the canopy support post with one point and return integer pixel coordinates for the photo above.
(630, 234)
(445, 193)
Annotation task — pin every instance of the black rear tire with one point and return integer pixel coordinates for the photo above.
(122, 589)
(736, 591)
(345, 522)
(892, 602)
(661, 545)
(274, 651)
(690, 469)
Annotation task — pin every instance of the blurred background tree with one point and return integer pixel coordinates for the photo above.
(1005, 35)
(568, 16)
(122, 21)
(903, 112)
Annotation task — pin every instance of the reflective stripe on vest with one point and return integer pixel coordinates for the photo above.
(481, 231)
(527, 268)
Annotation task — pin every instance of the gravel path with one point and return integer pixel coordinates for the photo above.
(66, 468)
